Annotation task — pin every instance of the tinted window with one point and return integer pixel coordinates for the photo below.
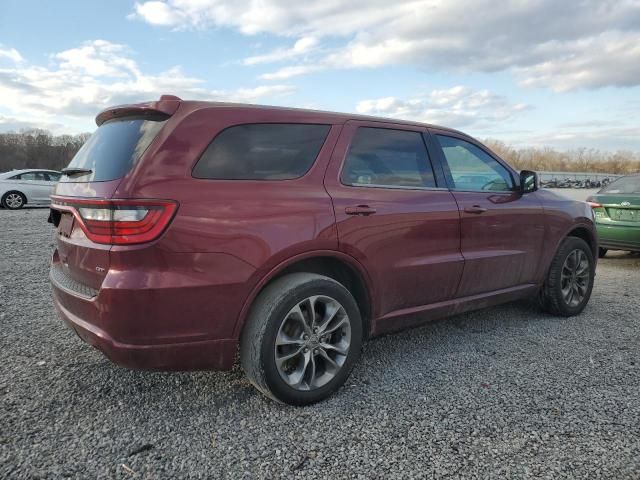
(53, 177)
(628, 185)
(472, 168)
(114, 148)
(385, 157)
(267, 151)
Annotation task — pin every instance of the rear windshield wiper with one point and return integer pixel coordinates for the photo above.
(76, 171)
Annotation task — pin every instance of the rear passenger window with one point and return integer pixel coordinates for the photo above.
(385, 157)
(267, 151)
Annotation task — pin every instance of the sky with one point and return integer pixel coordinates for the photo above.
(563, 74)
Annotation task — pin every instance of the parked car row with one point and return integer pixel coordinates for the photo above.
(27, 187)
(574, 183)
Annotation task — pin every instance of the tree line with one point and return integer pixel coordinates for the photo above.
(577, 160)
(41, 149)
(38, 149)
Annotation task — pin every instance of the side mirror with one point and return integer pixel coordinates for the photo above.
(528, 181)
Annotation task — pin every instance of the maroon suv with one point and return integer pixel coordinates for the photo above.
(187, 231)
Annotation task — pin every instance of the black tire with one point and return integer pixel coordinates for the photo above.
(551, 297)
(602, 252)
(11, 206)
(257, 344)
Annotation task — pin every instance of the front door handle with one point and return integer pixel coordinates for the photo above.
(363, 210)
(477, 209)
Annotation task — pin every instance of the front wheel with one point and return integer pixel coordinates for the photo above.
(302, 338)
(569, 282)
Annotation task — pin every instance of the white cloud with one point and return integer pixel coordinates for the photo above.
(289, 72)
(12, 124)
(84, 80)
(458, 107)
(11, 54)
(301, 47)
(606, 60)
(98, 58)
(619, 137)
(559, 44)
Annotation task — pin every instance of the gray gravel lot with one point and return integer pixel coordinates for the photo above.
(501, 393)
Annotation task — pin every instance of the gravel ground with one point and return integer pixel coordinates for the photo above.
(501, 393)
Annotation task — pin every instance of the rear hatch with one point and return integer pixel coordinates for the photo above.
(88, 220)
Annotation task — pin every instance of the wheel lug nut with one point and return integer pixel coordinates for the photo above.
(306, 337)
(305, 350)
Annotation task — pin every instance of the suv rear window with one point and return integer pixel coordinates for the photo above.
(114, 148)
(265, 151)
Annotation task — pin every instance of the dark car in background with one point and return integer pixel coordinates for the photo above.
(188, 231)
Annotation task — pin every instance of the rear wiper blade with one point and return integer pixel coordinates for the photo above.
(76, 171)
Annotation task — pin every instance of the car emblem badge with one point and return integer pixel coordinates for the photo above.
(625, 204)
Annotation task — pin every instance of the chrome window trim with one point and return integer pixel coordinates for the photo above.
(392, 187)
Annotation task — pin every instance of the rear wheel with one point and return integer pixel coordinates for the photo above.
(302, 338)
(569, 282)
(602, 252)
(13, 200)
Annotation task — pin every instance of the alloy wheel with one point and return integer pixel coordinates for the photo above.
(14, 200)
(312, 343)
(575, 277)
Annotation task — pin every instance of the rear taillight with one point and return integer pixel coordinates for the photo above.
(593, 204)
(119, 221)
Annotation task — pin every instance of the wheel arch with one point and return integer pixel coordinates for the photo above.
(336, 265)
(586, 234)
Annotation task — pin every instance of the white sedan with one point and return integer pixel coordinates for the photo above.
(21, 187)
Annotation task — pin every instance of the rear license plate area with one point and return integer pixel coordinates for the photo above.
(625, 215)
(66, 225)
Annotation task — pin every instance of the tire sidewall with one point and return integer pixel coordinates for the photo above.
(277, 385)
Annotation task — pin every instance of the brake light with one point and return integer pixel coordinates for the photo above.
(119, 221)
(594, 205)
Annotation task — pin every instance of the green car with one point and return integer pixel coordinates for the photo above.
(617, 212)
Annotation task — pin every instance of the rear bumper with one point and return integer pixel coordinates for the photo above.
(203, 355)
(618, 237)
(178, 323)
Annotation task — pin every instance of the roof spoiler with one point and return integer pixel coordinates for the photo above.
(167, 105)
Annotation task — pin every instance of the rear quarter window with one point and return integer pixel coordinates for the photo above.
(266, 151)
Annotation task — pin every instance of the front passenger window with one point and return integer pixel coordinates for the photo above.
(472, 169)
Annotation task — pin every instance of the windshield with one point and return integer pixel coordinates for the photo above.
(113, 149)
(628, 185)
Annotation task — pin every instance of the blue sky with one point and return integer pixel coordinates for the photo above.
(530, 73)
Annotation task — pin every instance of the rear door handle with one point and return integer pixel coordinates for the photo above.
(477, 209)
(363, 210)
